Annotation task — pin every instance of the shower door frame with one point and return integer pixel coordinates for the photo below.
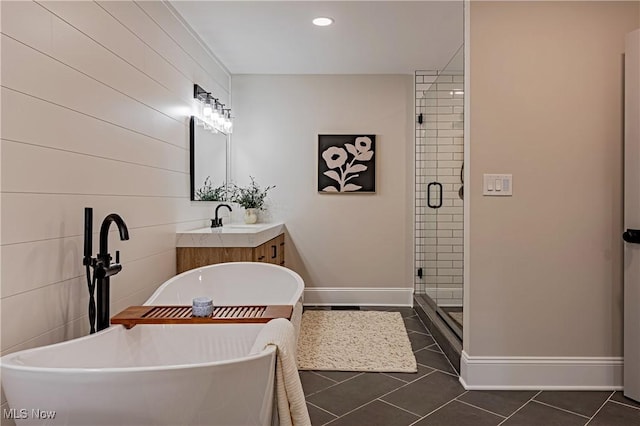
(429, 126)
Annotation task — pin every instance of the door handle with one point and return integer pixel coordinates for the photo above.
(632, 236)
(439, 186)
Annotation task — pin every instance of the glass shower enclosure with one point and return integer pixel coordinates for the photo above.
(439, 190)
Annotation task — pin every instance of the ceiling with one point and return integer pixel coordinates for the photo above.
(367, 37)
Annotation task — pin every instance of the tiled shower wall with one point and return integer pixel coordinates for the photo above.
(439, 158)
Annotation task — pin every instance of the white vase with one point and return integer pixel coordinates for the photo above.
(250, 216)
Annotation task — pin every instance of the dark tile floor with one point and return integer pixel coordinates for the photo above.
(434, 396)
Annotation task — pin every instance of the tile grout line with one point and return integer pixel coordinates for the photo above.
(440, 351)
(406, 384)
(454, 374)
(419, 332)
(433, 411)
(403, 384)
(320, 375)
(601, 407)
(400, 408)
(438, 345)
(623, 404)
(433, 350)
(562, 409)
(397, 378)
(437, 369)
(479, 408)
(351, 411)
(329, 387)
(322, 409)
(521, 407)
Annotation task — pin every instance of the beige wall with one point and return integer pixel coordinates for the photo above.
(356, 240)
(546, 106)
(95, 105)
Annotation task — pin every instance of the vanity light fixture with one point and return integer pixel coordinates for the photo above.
(215, 114)
(210, 113)
(207, 109)
(227, 123)
(322, 21)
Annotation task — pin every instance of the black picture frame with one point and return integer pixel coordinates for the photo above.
(347, 164)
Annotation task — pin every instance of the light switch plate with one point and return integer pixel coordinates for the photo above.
(497, 185)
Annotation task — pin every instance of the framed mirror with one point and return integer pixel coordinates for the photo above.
(208, 153)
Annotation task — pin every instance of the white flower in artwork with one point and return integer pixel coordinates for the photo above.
(363, 144)
(336, 158)
(361, 150)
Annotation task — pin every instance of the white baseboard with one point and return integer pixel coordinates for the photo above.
(355, 296)
(546, 373)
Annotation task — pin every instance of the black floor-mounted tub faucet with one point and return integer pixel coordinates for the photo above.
(102, 266)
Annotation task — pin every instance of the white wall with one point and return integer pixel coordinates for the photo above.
(546, 264)
(360, 241)
(95, 105)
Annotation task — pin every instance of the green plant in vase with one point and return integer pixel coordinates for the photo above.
(208, 192)
(251, 198)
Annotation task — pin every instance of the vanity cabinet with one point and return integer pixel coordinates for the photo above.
(194, 257)
(270, 252)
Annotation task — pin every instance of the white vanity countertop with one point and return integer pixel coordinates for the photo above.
(230, 235)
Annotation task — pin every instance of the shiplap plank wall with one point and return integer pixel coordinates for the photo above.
(96, 98)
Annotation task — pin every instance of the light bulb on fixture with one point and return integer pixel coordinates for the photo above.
(228, 124)
(215, 117)
(221, 117)
(207, 110)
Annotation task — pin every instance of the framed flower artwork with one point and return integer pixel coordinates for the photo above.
(346, 164)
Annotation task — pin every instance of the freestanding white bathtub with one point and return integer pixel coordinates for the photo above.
(160, 374)
(241, 283)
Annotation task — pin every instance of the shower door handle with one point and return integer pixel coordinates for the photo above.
(434, 206)
(632, 236)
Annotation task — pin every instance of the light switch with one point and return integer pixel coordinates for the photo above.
(497, 184)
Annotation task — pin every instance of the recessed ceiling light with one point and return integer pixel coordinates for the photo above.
(322, 21)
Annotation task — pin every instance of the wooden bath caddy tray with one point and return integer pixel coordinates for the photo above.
(183, 315)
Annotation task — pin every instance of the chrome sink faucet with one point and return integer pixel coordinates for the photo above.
(217, 221)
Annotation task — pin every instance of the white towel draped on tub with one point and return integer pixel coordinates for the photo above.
(296, 320)
(292, 407)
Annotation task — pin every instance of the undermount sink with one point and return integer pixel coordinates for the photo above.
(241, 226)
(230, 235)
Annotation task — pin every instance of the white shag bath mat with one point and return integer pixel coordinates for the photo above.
(355, 341)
